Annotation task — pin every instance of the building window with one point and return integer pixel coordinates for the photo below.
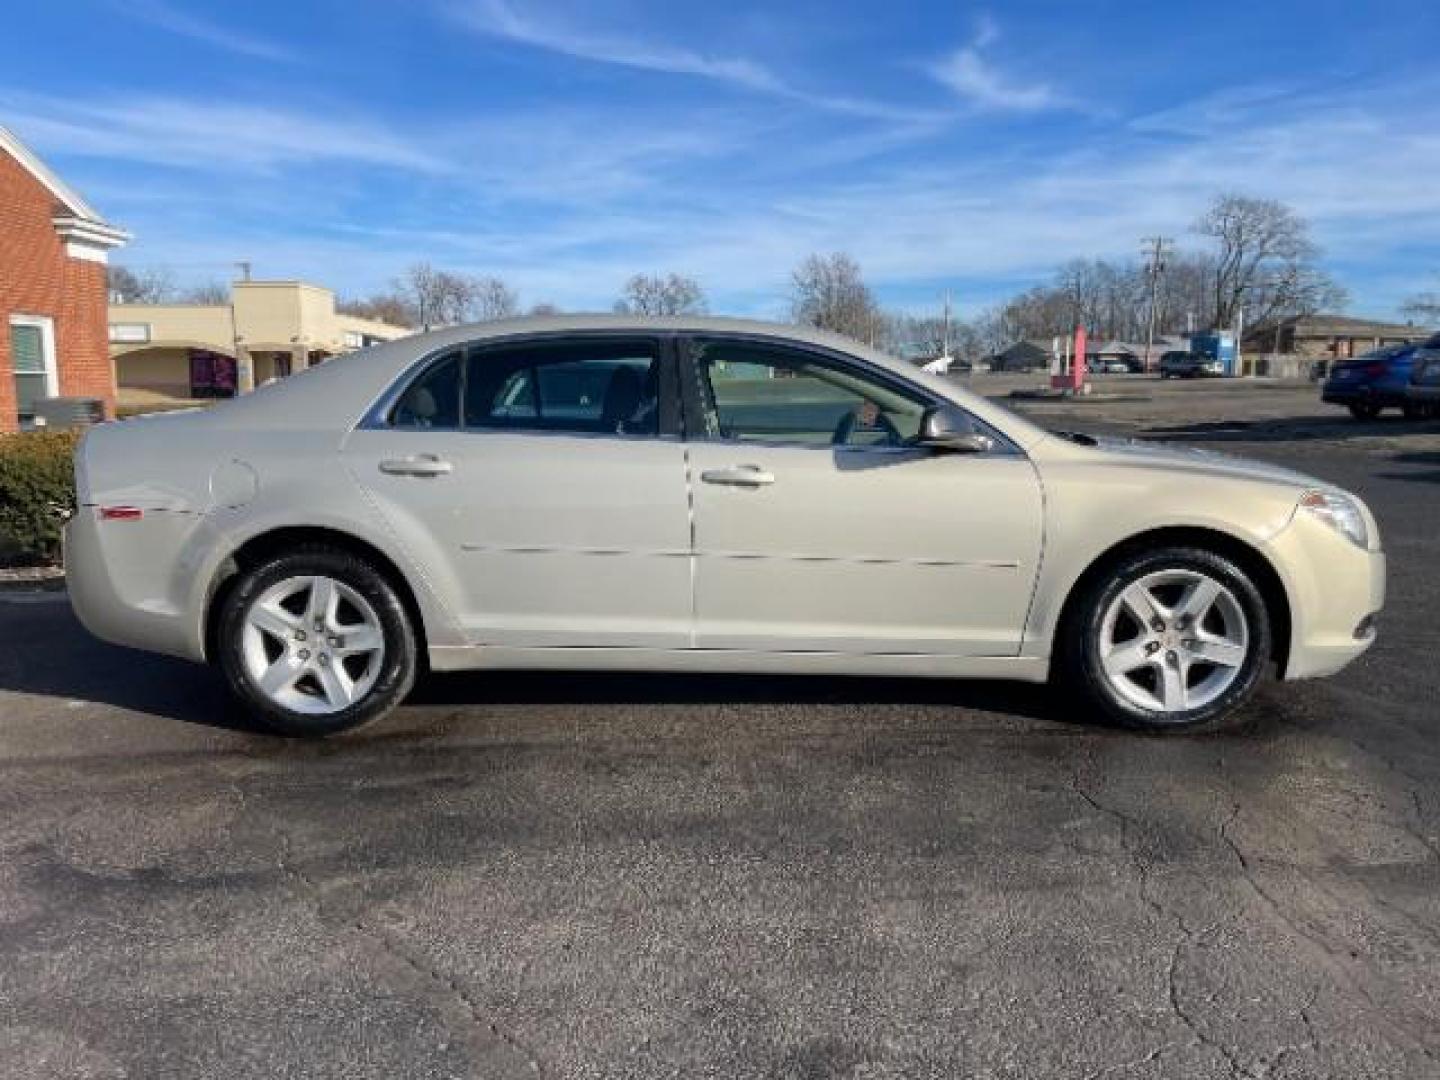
(132, 333)
(32, 355)
(212, 375)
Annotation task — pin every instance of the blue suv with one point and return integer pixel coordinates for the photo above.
(1378, 380)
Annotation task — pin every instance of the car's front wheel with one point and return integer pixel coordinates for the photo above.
(316, 641)
(1166, 640)
(1365, 411)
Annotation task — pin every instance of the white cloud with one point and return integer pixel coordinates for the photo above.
(208, 135)
(980, 82)
(498, 19)
(165, 16)
(533, 196)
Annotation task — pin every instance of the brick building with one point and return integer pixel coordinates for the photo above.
(53, 327)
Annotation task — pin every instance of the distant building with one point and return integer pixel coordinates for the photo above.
(1133, 353)
(269, 329)
(1102, 352)
(1022, 356)
(53, 250)
(1330, 337)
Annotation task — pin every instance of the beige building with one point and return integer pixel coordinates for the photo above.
(1331, 337)
(268, 330)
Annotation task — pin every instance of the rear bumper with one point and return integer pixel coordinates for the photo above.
(1361, 395)
(133, 582)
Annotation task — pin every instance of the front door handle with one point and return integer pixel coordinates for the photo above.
(739, 476)
(419, 465)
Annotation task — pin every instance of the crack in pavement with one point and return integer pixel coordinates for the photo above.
(1187, 935)
(1328, 958)
(1134, 1063)
(453, 1001)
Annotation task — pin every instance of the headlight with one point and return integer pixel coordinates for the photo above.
(1340, 512)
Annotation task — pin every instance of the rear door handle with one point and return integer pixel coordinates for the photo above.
(419, 465)
(739, 476)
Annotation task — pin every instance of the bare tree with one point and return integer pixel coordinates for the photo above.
(992, 332)
(442, 298)
(918, 334)
(543, 308)
(151, 286)
(490, 299)
(1423, 307)
(1265, 262)
(211, 293)
(387, 307)
(828, 291)
(662, 294)
(929, 336)
(432, 295)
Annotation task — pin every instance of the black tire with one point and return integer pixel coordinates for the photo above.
(1078, 667)
(1415, 410)
(397, 665)
(1364, 411)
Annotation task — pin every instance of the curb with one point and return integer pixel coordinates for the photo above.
(40, 579)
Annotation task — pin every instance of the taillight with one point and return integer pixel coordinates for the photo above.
(121, 513)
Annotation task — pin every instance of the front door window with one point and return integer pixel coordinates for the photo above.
(759, 393)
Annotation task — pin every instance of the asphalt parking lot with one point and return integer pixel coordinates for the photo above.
(664, 876)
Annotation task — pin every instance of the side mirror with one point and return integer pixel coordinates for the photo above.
(949, 428)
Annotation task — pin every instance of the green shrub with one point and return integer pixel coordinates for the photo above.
(37, 492)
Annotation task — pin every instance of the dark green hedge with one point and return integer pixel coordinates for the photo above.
(37, 492)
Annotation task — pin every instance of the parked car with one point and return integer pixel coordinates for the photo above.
(1373, 382)
(1423, 393)
(1109, 367)
(1185, 365)
(697, 495)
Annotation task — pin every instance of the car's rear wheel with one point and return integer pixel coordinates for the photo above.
(316, 641)
(1365, 411)
(1168, 640)
(1416, 410)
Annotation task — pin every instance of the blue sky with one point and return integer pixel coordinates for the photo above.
(564, 145)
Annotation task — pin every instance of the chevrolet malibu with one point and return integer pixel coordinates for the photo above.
(697, 495)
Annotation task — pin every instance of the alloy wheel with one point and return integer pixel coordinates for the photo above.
(1173, 641)
(312, 644)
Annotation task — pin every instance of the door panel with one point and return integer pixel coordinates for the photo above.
(549, 537)
(543, 539)
(865, 550)
(820, 525)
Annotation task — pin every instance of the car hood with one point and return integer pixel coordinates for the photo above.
(1193, 460)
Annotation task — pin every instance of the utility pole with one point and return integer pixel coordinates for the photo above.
(945, 344)
(1155, 247)
(244, 267)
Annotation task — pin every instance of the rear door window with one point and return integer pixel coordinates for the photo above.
(433, 399)
(595, 387)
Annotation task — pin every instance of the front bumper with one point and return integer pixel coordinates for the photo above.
(1335, 590)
